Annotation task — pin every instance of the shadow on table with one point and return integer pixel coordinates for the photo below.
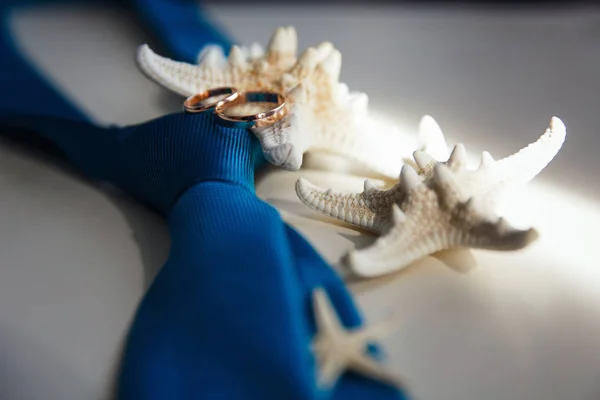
(147, 226)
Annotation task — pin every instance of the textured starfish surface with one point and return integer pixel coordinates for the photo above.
(338, 349)
(330, 118)
(444, 206)
(416, 218)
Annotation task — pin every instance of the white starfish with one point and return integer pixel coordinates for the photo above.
(416, 218)
(333, 120)
(338, 349)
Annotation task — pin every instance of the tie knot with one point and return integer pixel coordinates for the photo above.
(160, 159)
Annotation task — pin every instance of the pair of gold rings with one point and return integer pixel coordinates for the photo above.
(197, 103)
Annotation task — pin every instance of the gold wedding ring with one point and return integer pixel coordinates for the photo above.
(194, 104)
(255, 120)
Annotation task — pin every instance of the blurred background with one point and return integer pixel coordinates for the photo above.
(75, 259)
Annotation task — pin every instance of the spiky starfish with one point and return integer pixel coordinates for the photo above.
(338, 349)
(444, 207)
(331, 119)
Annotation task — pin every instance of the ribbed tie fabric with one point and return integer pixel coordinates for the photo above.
(229, 316)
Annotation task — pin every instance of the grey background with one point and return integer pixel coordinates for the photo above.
(75, 258)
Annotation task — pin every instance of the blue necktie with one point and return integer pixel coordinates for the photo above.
(229, 316)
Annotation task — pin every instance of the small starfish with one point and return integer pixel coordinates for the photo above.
(333, 119)
(338, 349)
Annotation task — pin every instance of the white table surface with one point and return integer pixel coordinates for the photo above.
(75, 258)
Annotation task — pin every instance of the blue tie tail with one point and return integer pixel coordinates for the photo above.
(88, 148)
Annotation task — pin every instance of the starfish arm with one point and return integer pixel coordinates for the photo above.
(366, 365)
(331, 363)
(392, 252)
(378, 331)
(491, 177)
(358, 209)
(431, 138)
(180, 77)
(526, 164)
(403, 246)
(325, 315)
(245, 68)
(329, 371)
